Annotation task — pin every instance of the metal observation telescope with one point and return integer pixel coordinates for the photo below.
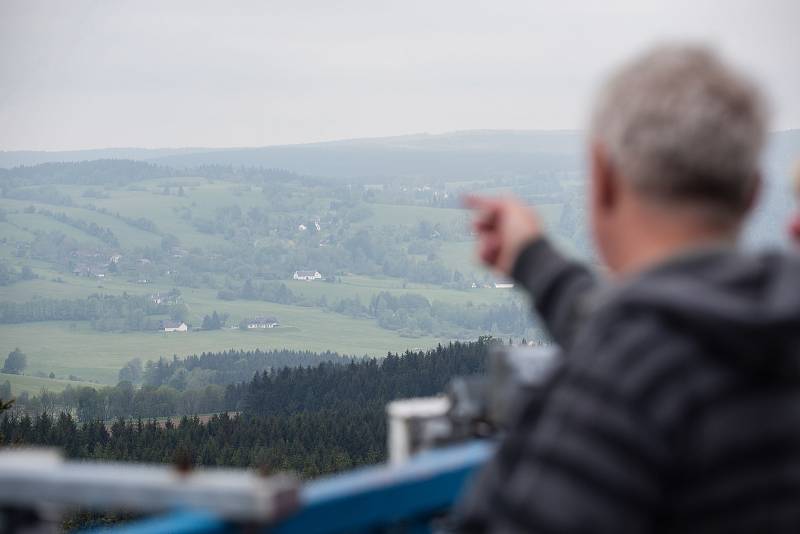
(435, 445)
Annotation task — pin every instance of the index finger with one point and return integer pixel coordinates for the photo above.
(478, 202)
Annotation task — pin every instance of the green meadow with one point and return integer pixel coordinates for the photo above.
(74, 348)
(34, 384)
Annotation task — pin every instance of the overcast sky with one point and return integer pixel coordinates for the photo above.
(83, 74)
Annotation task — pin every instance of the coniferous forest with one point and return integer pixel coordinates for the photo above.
(311, 420)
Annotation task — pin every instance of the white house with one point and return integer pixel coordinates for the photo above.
(174, 326)
(503, 285)
(308, 276)
(262, 322)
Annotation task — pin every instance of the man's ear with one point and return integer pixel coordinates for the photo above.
(605, 188)
(794, 229)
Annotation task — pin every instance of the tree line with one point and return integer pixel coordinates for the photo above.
(106, 312)
(257, 382)
(312, 420)
(229, 367)
(308, 443)
(96, 172)
(414, 315)
(103, 172)
(102, 233)
(411, 313)
(9, 275)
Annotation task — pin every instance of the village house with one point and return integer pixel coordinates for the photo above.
(87, 254)
(262, 322)
(171, 297)
(174, 326)
(308, 276)
(302, 227)
(91, 271)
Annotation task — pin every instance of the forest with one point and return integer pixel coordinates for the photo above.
(310, 419)
(241, 381)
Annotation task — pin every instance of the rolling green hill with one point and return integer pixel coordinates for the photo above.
(179, 212)
(379, 218)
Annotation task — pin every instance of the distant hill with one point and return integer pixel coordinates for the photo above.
(15, 158)
(455, 155)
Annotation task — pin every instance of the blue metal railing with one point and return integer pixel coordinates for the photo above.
(369, 499)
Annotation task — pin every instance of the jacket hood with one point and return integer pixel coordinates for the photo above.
(741, 307)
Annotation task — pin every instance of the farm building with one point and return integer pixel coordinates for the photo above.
(174, 326)
(503, 285)
(308, 276)
(262, 322)
(91, 271)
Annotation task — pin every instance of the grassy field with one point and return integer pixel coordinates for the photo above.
(75, 348)
(29, 221)
(33, 384)
(202, 301)
(365, 288)
(13, 232)
(124, 231)
(66, 347)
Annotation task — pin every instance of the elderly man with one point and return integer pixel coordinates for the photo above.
(678, 406)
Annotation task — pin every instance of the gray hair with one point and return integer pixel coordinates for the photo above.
(684, 127)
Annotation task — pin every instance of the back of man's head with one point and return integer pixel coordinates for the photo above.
(685, 130)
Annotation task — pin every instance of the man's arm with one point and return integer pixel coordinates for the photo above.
(511, 241)
(559, 287)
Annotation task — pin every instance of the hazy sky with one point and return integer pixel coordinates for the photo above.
(82, 74)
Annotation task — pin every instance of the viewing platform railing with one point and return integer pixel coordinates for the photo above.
(405, 497)
(433, 448)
